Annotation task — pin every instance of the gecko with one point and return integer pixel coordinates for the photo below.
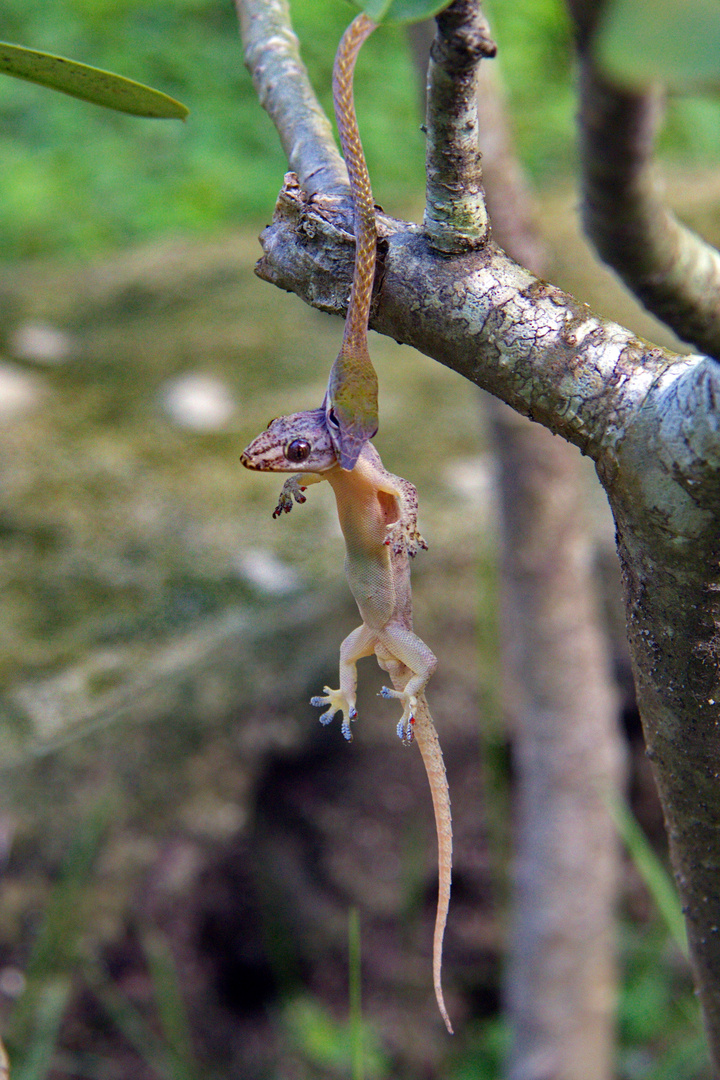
(378, 518)
(351, 401)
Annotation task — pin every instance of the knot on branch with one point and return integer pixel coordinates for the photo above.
(309, 248)
(463, 38)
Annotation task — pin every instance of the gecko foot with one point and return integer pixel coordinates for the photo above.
(402, 535)
(405, 731)
(407, 720)
(336, 702)
(291, 489)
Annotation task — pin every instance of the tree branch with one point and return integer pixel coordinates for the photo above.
(527, 342)
(455, 216)
(670, 269)
(272, 55)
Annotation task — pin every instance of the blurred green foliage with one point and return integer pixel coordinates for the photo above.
(78, 179)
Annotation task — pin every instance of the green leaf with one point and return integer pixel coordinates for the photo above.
(51, 1003)
(676, 42)
(88, 83)
(657, 880)
(401, 11)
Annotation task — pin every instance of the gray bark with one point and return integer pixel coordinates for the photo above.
(648, 418)
(559, 700)
(560, 982)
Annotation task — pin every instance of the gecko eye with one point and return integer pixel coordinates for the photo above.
(298, 450)
(333, 419)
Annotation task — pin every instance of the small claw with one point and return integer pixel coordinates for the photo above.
(386, 692)
(405, 730)
(353, 713)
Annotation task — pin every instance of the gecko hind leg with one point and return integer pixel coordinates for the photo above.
(361, 642)
(409, 650)
(407, 720)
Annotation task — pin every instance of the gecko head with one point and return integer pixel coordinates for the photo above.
(299, 442)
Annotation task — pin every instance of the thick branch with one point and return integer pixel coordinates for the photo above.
(272, 55)
(455, 216)
(670, 269)
(527, 342)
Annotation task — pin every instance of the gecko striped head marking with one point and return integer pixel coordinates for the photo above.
(299, 442)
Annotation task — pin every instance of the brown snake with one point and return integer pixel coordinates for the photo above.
(351, 404)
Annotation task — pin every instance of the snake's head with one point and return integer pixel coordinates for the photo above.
(299, 442)
(349, 431)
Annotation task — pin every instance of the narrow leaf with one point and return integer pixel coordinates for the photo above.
(651, 870)
(676, 42)
(355, 983)
(401, 11)
(88, 83)
(49, 1013)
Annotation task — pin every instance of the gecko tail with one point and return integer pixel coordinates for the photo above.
(427, 740)
(437, 966)
(443, 1010)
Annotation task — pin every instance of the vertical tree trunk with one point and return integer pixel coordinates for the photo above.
(560, 976)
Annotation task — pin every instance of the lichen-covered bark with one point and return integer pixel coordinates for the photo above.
(664, 492)
(526, 341)
(455, 214)
(272, 54)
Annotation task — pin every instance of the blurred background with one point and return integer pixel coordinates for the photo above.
(186, 854)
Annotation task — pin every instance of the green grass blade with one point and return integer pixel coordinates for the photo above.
(355, 981)
(49, 1008)
(130, 1022)
(170, 1006)
(651, 870)
(88, 83)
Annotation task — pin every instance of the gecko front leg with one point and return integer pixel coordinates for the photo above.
(293, 488)
(359, 643)
(402, 534)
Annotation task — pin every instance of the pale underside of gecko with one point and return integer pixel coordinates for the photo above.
(378, 517)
